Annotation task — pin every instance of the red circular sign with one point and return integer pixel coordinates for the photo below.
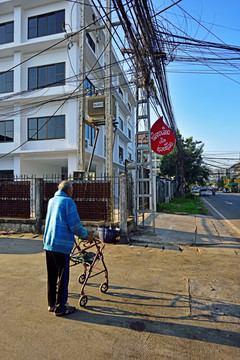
(162, 138)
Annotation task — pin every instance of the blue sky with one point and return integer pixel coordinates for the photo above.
(206, 106)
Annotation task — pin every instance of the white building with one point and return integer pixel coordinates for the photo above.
(39, 104)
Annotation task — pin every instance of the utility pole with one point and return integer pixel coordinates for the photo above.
(108, 115)
(82, 100)
(108, 78)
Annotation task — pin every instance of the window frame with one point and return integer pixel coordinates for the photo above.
(7, 131)
(6, 175)
(120, 123)
(90, 87)
(6, 32)
(91, 42)
(90, 132)
(47, 68)
(120, 92)
(44, 18)
(120, 150)
(45, 127)
(7, 81)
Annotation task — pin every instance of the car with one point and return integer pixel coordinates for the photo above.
(226, 190)
(195, 190)
(205, 192)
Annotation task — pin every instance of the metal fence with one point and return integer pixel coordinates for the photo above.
(165, 189)
(92, 197)
(17, 197)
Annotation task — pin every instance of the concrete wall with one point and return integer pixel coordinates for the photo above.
(19, 226)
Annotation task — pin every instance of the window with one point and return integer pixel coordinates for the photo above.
(6, 33)
(90, 134)
(120, 123)
(48, 75)
(89, 87)
(120, 91)
(45, 128)
(89, 131)
(129, 134)
(129, 156)
(120, 154)
(46, 24)
(6, 82)
(90, 42)
(6, 131)
(6, 175)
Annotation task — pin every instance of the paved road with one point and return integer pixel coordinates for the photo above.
(178, 301)
(225, 206)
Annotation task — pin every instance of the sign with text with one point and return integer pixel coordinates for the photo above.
(162, 138)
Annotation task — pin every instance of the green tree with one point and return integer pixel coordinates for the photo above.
(188, 160)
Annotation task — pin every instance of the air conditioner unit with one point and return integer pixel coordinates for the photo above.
(78, 175)
(84, 176)
(86, 143)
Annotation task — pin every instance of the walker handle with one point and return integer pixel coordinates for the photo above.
(87, 245)
(99, 241)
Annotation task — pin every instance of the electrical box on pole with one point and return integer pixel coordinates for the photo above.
(96, 107)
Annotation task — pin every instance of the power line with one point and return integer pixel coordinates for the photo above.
(204, 46)
(51, 46)
(69, 79)
(33, 106)
(201, 24)
(207, 22)
(140, 33)
(64, 101)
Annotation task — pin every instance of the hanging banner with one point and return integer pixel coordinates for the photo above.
(162, 138)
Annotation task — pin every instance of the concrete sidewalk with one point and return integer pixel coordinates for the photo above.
(175, 297)
(172, 231)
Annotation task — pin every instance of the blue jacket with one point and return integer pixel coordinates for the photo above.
(62, 223)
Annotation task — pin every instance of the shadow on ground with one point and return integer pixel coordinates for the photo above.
(20, 246)
(116, 313)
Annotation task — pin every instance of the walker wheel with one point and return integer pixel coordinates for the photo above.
(104, 287)
(83, 300)
(81, 278)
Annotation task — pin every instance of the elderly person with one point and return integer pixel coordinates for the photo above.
(62, 223)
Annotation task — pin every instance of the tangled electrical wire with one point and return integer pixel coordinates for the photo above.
(153, 43)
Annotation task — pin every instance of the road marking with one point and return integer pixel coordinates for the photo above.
(228, 203)
(223, 217)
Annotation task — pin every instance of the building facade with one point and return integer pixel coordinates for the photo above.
(40, 58)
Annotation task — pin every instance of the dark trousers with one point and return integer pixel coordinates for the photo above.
(58, 277)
